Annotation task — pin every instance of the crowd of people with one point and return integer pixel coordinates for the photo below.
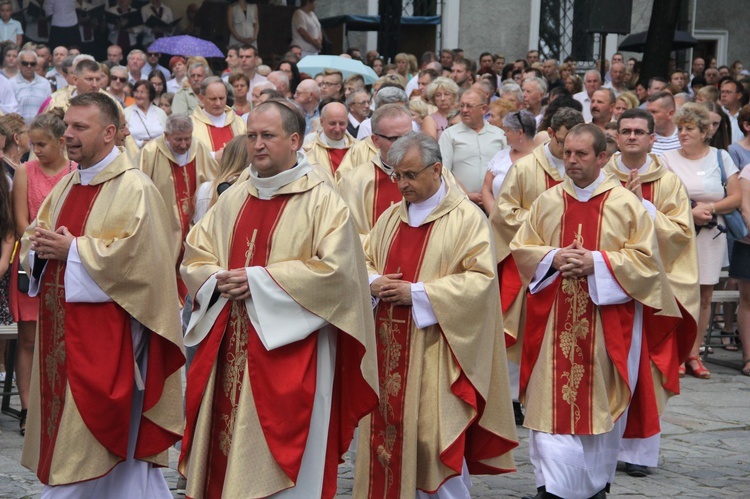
(458, 248)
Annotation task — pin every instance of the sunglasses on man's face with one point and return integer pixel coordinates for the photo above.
(121, 79)
(28, 64)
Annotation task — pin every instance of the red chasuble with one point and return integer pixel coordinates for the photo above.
(394, 325)
(220, 136)
(184, 180)
(98, 368)
(385, 194)
(575, 316)
(510, 279)
(335, 156)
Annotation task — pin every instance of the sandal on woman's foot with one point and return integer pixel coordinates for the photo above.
(746, 367)
(681, 371)
(22, 422)
(698, 372)
(727, 341)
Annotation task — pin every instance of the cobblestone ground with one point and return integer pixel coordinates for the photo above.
(705, 449)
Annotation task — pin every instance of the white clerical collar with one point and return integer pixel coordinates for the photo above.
(418, 212)
(267, 186)
(584, 194)
(334, 144)
(218, 121)
(558, 163)
(88, 174)
(642, 170)
(182, 159)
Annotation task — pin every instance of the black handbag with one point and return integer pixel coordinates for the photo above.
(733, 220)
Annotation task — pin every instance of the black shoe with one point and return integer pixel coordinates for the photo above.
(518, 413)
(602, 494)
(541, 492)
(636, 470)
(22, 422)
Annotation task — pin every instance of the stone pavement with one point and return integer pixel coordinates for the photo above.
(705, 449)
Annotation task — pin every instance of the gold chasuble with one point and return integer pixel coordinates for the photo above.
(444, 393)
(61, 98)
(330, 158)
(574, 374)
(84, 370)
(248, 408)
(178, 186)
(525, 182)
(215, 138)
(677, 246)
(360, 153)
(368, 191)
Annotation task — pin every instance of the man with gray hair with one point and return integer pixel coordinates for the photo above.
(258, 89)
(592, 81)
(358, 103)
(417, 252)
(215, 123)
(363, 152)
(178, 165)
(534, 89)
(136, 62)
(281, 82)
(186, 99)
(31, 90)
(511, 91)
(386, 95)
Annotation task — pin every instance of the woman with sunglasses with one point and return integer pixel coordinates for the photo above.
(519, 128)
(118, 79)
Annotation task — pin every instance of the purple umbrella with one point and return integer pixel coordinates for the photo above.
(186, 46)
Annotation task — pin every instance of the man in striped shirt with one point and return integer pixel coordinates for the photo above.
(31, 90)
(661, 106)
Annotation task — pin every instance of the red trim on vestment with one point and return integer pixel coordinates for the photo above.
(220, 136)
(385, 194)
(335, 156)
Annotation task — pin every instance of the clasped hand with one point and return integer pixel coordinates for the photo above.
(634, 184)
(232, 284)
(702, 213)
(391, 289)
(574, 261)
(52, 245)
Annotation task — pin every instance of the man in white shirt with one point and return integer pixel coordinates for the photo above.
(136, 63)
(592, 81)
(617, 83)
(662, 107)
(732, 92)
(248, 61)
(58, 56)
(468, 147)
(31, 89)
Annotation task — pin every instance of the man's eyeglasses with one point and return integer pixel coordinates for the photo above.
(328, 84)
(469, 106)
(121, 79)
(408, 176)
(153, 54)
(28, 64)
(637, 132)
(393, 138)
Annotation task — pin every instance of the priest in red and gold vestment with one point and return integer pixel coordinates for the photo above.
(445, 409)
(214, 123)
(286, 364)
(589, 254)
(178, 165)
(106, 400)
(332, 142)
(666, 199)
